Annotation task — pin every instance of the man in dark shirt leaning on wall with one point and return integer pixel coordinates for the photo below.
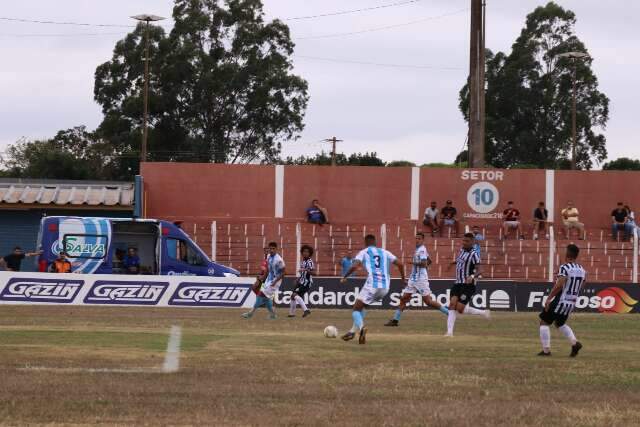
(13, 261)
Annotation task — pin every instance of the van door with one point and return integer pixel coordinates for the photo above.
(182, 258)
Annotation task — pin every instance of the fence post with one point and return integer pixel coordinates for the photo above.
(634, 279)
(383, 235)
(298, 244)
(552, 254)
(214, 239)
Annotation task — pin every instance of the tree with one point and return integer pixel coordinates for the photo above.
(400, 163)
(221, 87)
(72, 154)
(529, 93)
(324, 159)
(622, 164)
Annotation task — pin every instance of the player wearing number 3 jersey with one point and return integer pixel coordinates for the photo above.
(377, 262)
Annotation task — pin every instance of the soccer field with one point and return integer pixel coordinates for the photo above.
(63, 365)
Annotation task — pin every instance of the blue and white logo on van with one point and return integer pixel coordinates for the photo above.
(210, 295)
(211, 271)
(121, 292)
(41, 290)
(76, 248)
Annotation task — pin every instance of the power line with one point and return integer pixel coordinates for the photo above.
(347, 12)
(386, 27)
(35, 35)
(82, 24)
(378, 64)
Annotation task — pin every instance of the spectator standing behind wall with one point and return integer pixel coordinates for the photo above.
(13, 261)
(61, 264)
(346, 262)
(571, 220)
(477, 238)
(132, 261)
(431, 218)
(316, 214)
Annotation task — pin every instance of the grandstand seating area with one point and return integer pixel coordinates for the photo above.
(239, 244)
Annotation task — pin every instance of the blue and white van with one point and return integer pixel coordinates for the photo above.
(98, 245)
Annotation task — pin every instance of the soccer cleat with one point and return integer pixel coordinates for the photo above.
(291, 315)
(448, 335)
(306, 313)
(247, 315)
(542, 353)
(392, 322)
(575, 349)
(348, 336)
(362, 339)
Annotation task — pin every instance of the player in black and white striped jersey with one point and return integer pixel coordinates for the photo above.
(561, 302)
(304, 282)
(467, 269)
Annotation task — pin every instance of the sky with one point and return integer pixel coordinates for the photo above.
(393, 91)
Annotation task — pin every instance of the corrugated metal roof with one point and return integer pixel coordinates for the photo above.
(65, 193)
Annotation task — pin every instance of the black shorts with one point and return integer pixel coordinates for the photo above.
(550, 317)
(463, 291)
(301, 289)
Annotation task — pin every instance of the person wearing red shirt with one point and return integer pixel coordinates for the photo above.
(511, 217)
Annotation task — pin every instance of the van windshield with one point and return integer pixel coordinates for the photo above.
(181, 250)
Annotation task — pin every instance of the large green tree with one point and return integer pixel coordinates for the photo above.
(221, 86)
(622, 164)
(324, 159)
(529, 97)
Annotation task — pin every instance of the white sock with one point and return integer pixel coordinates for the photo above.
(545, 337)
(300, 301)
(568, 333)
(451, 321)
(470, 310)
(292, 306)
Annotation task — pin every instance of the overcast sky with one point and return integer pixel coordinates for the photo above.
(409, 113)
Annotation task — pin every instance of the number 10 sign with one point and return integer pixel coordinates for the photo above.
(483, 197)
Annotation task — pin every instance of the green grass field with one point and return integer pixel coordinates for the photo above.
(85, 365)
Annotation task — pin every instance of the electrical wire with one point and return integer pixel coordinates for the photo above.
(383, 28)
(347, 12)
(82, 24)
(35, 35)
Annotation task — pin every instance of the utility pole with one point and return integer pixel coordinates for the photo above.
(145, 116)
(477, 85)
(333, 142)
(575, 57)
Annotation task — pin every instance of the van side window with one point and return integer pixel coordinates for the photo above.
(179, 250)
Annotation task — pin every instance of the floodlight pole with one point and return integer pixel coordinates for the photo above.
(146, 18)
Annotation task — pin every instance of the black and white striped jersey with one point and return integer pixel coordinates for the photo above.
(305, 278)
(466, 264)
(576, 276)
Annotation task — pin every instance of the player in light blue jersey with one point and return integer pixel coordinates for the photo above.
(418, 282)
(377, 262)
(275, 274)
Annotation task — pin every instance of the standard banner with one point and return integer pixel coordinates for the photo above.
(330, 293)
(125, 290)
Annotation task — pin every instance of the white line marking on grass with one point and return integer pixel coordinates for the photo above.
(92, 370)
(172, 356)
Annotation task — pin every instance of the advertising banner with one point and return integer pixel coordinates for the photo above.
(125, 290)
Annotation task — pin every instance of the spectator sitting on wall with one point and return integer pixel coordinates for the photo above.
(631, 218)
(620, 217)
(511, 217)
(316, 214)
(448, 214)
(13, 261)
(477, 238)
(132, 261)
(431, 218)
(570, 220)
(540, 220)
(61, 264)
(346, 262)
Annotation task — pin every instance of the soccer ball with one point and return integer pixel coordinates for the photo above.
(330, 332)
